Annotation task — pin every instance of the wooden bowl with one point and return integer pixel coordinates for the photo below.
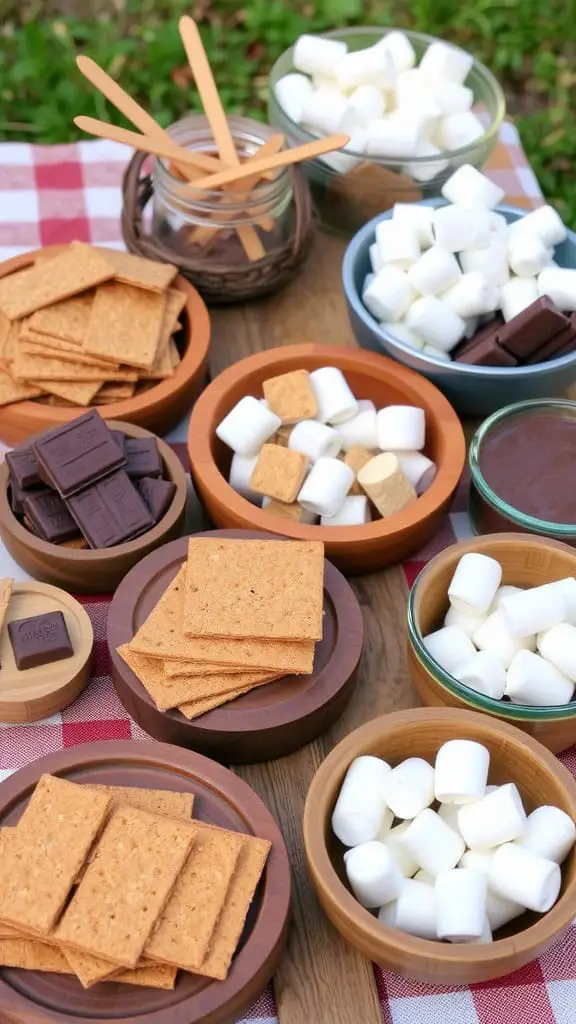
(526, 561)
(353, 549)
(420, 732)
(158, 409)
(220, 798)
(93, 571)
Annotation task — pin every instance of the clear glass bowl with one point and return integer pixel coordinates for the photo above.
(346, 201)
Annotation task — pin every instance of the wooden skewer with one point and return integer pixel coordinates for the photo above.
(269, 163)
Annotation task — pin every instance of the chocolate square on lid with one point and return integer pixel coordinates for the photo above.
(532, 327)
(143, 457)
(157, 494)
(110, 511)
(39, 640)
(23, 466)
(77, 454)
(49, 516)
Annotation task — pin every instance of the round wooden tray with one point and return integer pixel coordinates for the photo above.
(221, 799)
(270, 721)
(34, 693)
(159, 409)
(96, 571)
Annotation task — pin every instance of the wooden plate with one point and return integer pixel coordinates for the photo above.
(270, 721)
(220, 798)
(39, 692)
(159, 409)
(93, 571)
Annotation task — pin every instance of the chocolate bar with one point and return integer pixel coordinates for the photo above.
(120, 438)
(560, 345)
(39, 640)
(532, 328)
(483, 349)
(157, 495)
(110, 511)
(49, 516)
(77, 454)
(23, 466)
(17, 495)
(143, 457)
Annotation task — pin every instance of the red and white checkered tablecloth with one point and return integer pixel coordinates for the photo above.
(53, 194)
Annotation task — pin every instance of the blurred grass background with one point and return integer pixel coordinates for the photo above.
(530, 45)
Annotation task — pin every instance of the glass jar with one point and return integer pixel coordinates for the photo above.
(523, 471)
(193, 222)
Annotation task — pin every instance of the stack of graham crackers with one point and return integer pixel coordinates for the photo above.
(88, 326)
(238, 614)
(120, 884)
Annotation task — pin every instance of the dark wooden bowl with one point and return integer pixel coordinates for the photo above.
(158, 409)
(353, 549)
(221, 799)
(92, 571)
(270, 721)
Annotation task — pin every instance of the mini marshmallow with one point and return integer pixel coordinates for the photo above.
(390, 295)
(323, 110)
(558, 645)
(432, 843)
(316, 55)
(354, 511)
(454, 99)
(517, 294)
(460, 772)
(519, 875)
(559, 284)
(366, 104)
(417, 468)
(436, 323)
(477, 861)
(536, 682)
(359, 430)
(497, 818)
(360, 807)
(457, 228)
(494, 635)
(550, 833)
(425, 877)
(444, 63)
(373, 66)
(469, 187)
(434, 271)
(527, 255)
(375, 262)
(501, 911)
(326, 486)
(409, 787)
(416, 909)
(400, 49)
(545, 222)
(491, 261)
(419, 217)
(400, 332)
(449, 646)
(373, 875)
(472, 295)
(567, 588)
(459, 130)
(292, 91)
(402, 858)
(247, 426)
(336, 402)
(426, 170)
(397, 244)
(241, 469)
(392, 138)
(533, 610)
(474, 583)
(469, 623)
(484, 673)
(401, 428)
(314, 439)
(461, 904)
(435, 353)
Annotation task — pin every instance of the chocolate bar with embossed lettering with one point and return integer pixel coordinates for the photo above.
(49, 516)
(39, 640)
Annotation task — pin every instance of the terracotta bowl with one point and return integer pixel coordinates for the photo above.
(420, 732)
(527, 561)
(158, 409)
(93, 571)
(353, 549)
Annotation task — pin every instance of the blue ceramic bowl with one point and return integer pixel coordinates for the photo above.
(472, 390)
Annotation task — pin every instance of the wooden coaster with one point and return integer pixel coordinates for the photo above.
(39, 692)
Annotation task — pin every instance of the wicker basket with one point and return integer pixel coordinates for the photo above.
(220, 282)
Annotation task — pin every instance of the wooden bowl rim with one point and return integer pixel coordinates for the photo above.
(85, 556)
(196, 351)
(382, 937)
(447, 422)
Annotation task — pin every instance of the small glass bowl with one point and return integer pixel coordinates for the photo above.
(346, 201)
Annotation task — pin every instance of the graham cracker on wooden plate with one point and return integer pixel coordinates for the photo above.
(72, 271)
(196, 708)
(88, 969)
(156, 801)
(32, 955)
(148, 976)
(125, 324)
(67, 320)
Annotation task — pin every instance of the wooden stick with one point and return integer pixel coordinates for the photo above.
(269, 163)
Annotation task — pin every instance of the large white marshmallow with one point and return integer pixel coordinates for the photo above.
(536, 682)
(491, 261)
(424, 876)
(373, 66)
(425, 170)
(360, 807)
(449, 814)
(472, 295)
(400, 428)
(434, 353)
(567, 588)
(483, 672)
(336, 402)
(453, 99)
(449, 646)
(516, 295)
(343, 160)
(469, 623)
(361, 430)
(469, 187)
(416, 909)
(364, 105)
(409, 788)
(375, 263)
(494, 635)
(545, 222)
(417, 468)
(477, 861)
(326, 486)
(400, 49)
(247, 426)
(504, 591)
(316, 55)
(519, 875)
(527, 255)
(400, 332)
(444, 63)
(474, 583)
(397, 244)
(417, 216)
(402, 858)
(461, 904)
(550, 833)
(314, 439)
(292, 91)
(392, 138)
(434, 271)
(241, 469)
(459, 130)
(558, 645)
(373, 875)
(497, 818)
(501, 911)
(436, 323)
(559, 284)
(354, 511)
(533, 610)
(323, 110)
(389, 295)
(461, 772)
(457, 228)
(432, 843)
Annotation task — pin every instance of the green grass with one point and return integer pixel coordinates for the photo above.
(528, 44)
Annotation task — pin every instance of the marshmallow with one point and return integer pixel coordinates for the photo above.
(241, 469)
(390, 295)
(359, 430)
(364, 105)
(497, 818)
(449, 814)
(373, 66)
(474, 583)
(486, 936)
(459, 130)
(449, 646)
(247, 426)
(410, 89)
(366, 405)
(409, 788)
(326, 486)
(354, 511)
(492, 261)
(360, 807)
(517, 294)
(373, 875)
(483, 672)
(469, 623)
(533, 610)
(424, 876)
(559, 284)
(550, 833)
(472, 324)
(534, 681)
(418, 469)
(314, 439)
(444, 63)
(416, 909)
(477, 861)
(375, 262)
(501, 911)
(434, 271)
(519, 875)
(461, 904)
(567, 588)
(385, 826)
(336, 402)
(436, 323)
(367, 282)
(402, 858)
(387, 914)
(414, 215)
(400, 49)
(472, 295)
(527, 254)
(346, 158)
(434, 353)
(315, 55)
(498, 225)
(432, 843)
(454, 99)
(545, 222)
(460, 772)
(469, 187)
(397, 244)
(426, 170)
(494, 635)
(292, 91)
(457, 228)
(400, 428)
(558, 645)
(400, 332)
(323, 110)
(392, 138)
(505, 591)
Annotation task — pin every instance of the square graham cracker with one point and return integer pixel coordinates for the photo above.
(356, 458)
(156, 801)
(291, 396)
(279, 473)
(16, 390)
(72, 271)
(193, 709)
(125, 324)
(291, 510)
(79, 392)
(138, 271)
(148, 976)
(45, 346)
(88, 969)
(67, 320)
(32, 955)
(197, 668)
(268, 590)
(52, 366)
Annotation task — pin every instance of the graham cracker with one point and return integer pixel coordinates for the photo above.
(67, 320)
(76, 393)
(356, 458)
(196, 668)
(9, 343)
(291, 510)
(156, 801)
(135, 866)
(54, 367)
(266, 589)
(46, 852)
(162, 368)
(193, 709)
(138, 271)
(14, 390)
(31, 955)
(88, 969)
(6, 586)
(291, 397)
(62, 350)
(279, 473)
(185, 928)
(161, 637)
(5, 328)
(74, 270)
(78, 543)
(148, 976)
(174, 353)
(228, 931)
(115, 391)
(126, 323)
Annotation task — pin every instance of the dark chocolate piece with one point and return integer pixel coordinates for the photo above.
(143, 457)
(157, 495)
(49, 516)
(559, 345)
(120, 437)
(39, 640)
(17, 494)
(23, 466)
(532, 328)
(486, 352)
(110, 511)
(77, 454)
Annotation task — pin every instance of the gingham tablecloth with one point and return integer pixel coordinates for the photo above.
(53, 194)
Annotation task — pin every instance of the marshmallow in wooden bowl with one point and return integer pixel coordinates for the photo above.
(311, 450)
(437, 851)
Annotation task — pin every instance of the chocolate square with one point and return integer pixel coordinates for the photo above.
(110, 511)
(143, 457)
(532, 327)
(23, 466)
(49, 516)
(157, 494)
(17, 494)
(120, 437)
(77, 454)
(39, 640)
(560, 345)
